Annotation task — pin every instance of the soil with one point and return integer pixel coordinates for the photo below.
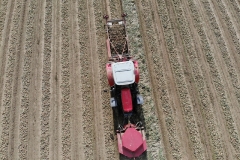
(54, 95)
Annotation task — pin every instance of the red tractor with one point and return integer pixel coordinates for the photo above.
(123, 78)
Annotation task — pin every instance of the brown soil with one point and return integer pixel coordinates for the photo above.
(54, 96)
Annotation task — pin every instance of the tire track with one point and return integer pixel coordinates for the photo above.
(154, 139)
(87, 82)
(46, 82)
(35, 90)
(161, 96)
(217, 81)
(26, 83)
(56, 114)
(6, 116)
(65, 83)
(206, 107)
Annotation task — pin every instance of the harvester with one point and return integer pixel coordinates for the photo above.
(123, 77)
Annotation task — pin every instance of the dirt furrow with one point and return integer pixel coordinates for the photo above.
(77, 140)
(217, 80)
(205, 106)
(87, 82)
(163, 108)
(46, 82)
(26, 83)
(35, 91)
(55, 127)
(148, 117)
(7, 117)
(110, 143)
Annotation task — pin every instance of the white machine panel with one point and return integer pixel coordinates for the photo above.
(123, 73)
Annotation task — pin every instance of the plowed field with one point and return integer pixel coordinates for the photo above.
(54, 95)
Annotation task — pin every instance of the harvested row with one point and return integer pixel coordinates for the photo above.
(87, 84)
(151, 122)
(26, 82)
(231, 125)
(158, 80)
(65, 80)
(183, 91)
(115, 8)
(200, 83)
(110, 146)
(46, 83)
(8, 82)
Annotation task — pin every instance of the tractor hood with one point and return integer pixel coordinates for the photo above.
(123, 73)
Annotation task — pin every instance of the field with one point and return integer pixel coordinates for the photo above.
(54, 96)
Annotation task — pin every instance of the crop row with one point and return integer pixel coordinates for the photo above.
(153, 136)
(186, 104)
(3, 12)
(109, 133)
(159, 80)
(26, 79)
(206, 107)
(45, 113)
(236, 9)
(214, 72)
(9, 76)
(86, 80)
(65, 83)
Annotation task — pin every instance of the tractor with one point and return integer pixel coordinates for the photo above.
(123, 78)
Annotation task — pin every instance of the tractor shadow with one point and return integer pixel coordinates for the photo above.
(137, 116)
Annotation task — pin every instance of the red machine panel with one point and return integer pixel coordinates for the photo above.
(109, 74)
(136, 71)
(126, 100)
